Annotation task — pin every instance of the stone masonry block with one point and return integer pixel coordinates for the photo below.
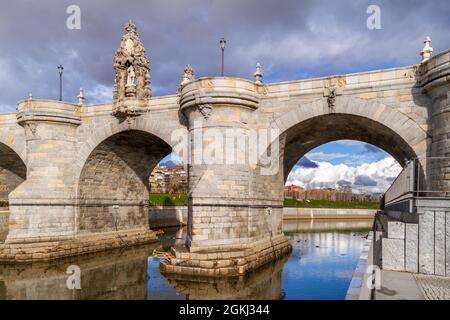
(412, 247)
(447, 245)
(396, 230)
(393, 251)
(426, 242)
(439, 243)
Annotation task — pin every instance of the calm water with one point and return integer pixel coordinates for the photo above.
(320, 267)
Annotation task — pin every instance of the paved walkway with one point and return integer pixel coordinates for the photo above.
(434, 287)
(398, 286)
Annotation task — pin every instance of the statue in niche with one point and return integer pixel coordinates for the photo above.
(131, 76)
(132, 68)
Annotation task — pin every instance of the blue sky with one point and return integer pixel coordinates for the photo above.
(349, 152)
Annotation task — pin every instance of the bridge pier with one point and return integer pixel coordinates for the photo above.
(234, 224)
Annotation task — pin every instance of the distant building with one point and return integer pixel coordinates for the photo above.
(168, 180)
(343, 193)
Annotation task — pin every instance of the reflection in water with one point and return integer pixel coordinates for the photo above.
(326, 225)
(320, 267)
(119, 274)
(323, 258)
(262, 284)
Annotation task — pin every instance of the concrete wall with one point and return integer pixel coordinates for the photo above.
(175, 216)
(327, 213)
(422, 247)
(167, 216)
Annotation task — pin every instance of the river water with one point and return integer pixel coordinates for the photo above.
(324, 257)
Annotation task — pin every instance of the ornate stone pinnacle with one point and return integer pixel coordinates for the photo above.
(132, 68)
(130, 27)
(258, 74)
(427, 49)
(188, 75)
(81, 97)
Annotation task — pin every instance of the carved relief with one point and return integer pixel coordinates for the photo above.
(32, 127)
(205, 110)
(333, 88)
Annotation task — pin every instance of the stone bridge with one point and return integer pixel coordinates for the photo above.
(77, 176)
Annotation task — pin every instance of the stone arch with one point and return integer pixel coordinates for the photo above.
(314, 124)
(112, 126)
(13, 170)
(113, 185)
(14, 141)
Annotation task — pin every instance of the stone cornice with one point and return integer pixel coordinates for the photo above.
(223, 90)
(48, 110)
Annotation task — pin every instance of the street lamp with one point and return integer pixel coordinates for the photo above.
(60, 70)
(222, 46)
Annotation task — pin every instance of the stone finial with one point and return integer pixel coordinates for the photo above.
(188, 75)
(30, 96)
(427, 49)
(131, 67)
(81, 97)
(258, 74)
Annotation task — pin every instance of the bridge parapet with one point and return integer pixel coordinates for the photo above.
(205, 94)
(48, 110)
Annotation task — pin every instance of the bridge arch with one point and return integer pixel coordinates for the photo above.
(98, 134)
(13, 170)
(113, 185)
(315, 123)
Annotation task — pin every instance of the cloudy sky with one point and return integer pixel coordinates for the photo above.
(292, 39)
(364, 167)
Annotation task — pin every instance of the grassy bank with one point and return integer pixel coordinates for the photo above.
(168, 200)
(171, 200)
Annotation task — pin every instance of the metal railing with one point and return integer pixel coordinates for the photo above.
(404, 185)
(418, 179)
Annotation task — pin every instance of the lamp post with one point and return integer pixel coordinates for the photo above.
(222, 46)
(60, 71)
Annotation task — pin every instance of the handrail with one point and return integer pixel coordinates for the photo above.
(409, 184)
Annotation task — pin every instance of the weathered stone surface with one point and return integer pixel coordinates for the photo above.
(439, 243)
(426, 242)
(447, 245)
(393, 251)
(396, 230)
(412, 248)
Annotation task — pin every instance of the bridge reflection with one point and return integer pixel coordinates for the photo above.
(324, 252)
(132, 274)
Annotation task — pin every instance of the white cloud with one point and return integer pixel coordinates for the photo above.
(327, 175)
(99, 94)
(322, 156)
(349, 142)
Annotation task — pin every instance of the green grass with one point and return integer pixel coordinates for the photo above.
(168, 200)
(171, 200)
(331, 204)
